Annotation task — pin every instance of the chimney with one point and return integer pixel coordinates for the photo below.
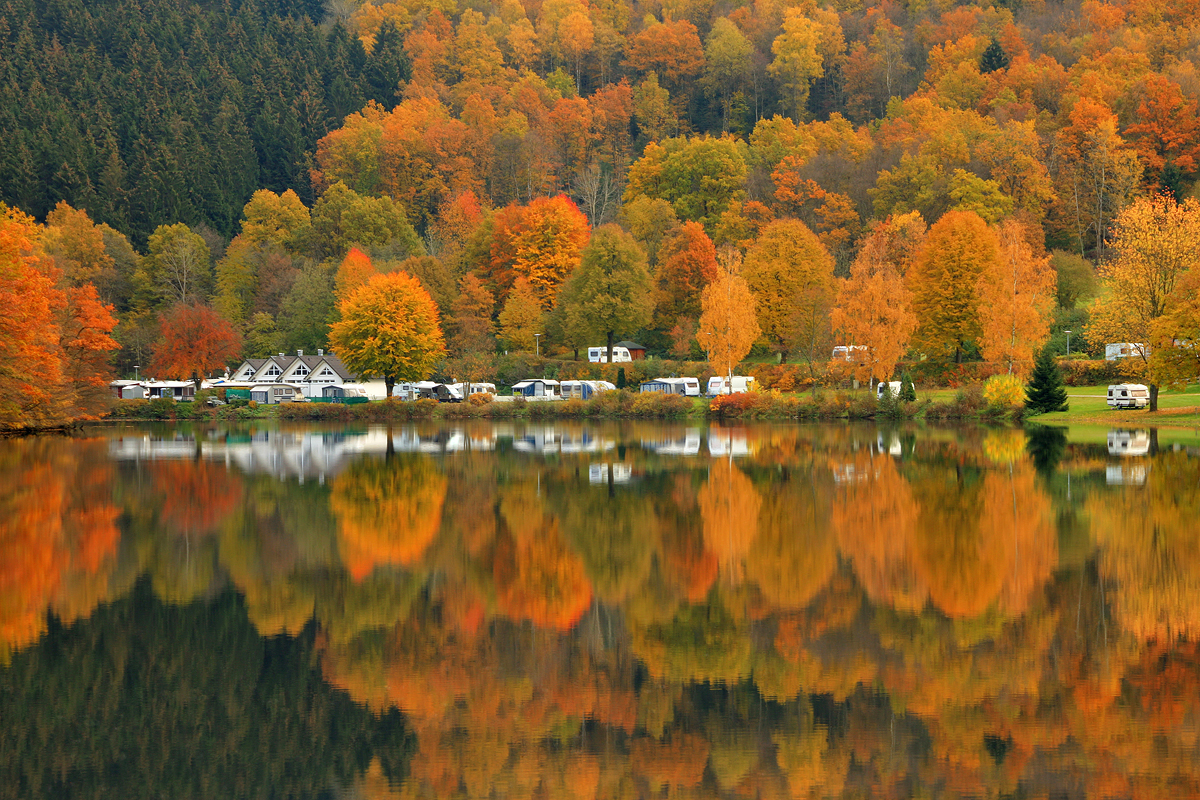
(299, 352)
(281, 355)
(320, 352)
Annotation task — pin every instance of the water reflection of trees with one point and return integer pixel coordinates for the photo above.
(824, 616)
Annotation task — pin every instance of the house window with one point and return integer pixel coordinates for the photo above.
(326, 375)
(272, 373)
(301, 371)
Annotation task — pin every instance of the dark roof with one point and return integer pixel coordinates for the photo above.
(630, 345)
(285, 362)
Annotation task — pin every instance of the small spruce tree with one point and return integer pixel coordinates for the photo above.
(908, 390)
(1045, 392)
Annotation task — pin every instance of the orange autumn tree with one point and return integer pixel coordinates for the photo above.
(389, 329)
(728, 321)
(388, 512)
(944, 281)
(30, 357)
(873, 311)
(354, 271)
(1016, 302)
(54, 333)
(687, 263)
(540, 242)
(195, 340)
(729, 505)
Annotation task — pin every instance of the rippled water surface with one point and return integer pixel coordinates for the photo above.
(599, 611)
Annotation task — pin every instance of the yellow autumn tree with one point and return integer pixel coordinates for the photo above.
(1016, 302)
(791, 275)
(389, 329)
(944, 281)
(728, 322)
(1175, 358)
(1156, 241)
(873, 310)
(729, 505)
(387, 511)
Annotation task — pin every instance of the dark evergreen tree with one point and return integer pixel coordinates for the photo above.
(993, 58)
(387, 66)
(1045, 392)
(908, 390)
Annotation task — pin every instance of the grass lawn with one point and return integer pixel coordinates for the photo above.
(1089, 406)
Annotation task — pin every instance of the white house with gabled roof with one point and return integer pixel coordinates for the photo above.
(312, 373)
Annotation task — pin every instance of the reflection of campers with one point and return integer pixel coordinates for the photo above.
(719, 384)
(891, 387)
(1128, 395)
(599, 355)
(1112, 352)
(1128, 443)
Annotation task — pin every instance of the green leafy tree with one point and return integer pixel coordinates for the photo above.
(700, 177)
(611, 289)
(1045, 392)
(342, 218)
(389, 329)
(177, 269)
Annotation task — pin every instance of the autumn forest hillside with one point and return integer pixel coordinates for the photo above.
(258, 141)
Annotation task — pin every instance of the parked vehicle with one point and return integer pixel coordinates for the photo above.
(1128, 395)
(844, 352)
(599, 355)
(892, 387)
(539, 388)
(583, 390)
(736, 384)
(688, 387)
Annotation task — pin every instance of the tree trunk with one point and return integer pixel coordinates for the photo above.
(1154, 397)
(388, 382)
(610, 346)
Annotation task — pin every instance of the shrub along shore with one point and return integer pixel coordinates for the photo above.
(820, 405)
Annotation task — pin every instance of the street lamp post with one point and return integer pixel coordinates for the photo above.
(537, 344)
(1068, 344)
(135, 369)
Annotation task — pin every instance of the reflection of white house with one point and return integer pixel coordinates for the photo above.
(309, 454)
(1128, 443)
(311, 373)
(600, 473)
(686, 445)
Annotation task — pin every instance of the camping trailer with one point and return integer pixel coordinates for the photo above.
(1128, 395)
(599, 355)
(688, 387)
(889, 387)
(737, 384)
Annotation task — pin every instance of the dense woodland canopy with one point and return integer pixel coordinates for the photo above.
(842, 614)
(233, 153)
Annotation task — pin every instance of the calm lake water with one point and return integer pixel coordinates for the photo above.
(576, 610)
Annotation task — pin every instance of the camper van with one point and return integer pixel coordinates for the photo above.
(889, 387)
(599, 355)
(737, 384)
(1128, 395)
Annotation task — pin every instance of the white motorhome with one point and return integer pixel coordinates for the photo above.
(1119, 350)
(1128, 443)
(736, 384)
(1128, 395)
(599, 355)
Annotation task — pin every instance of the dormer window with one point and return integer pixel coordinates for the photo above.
(273, 372)
(301, 370)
